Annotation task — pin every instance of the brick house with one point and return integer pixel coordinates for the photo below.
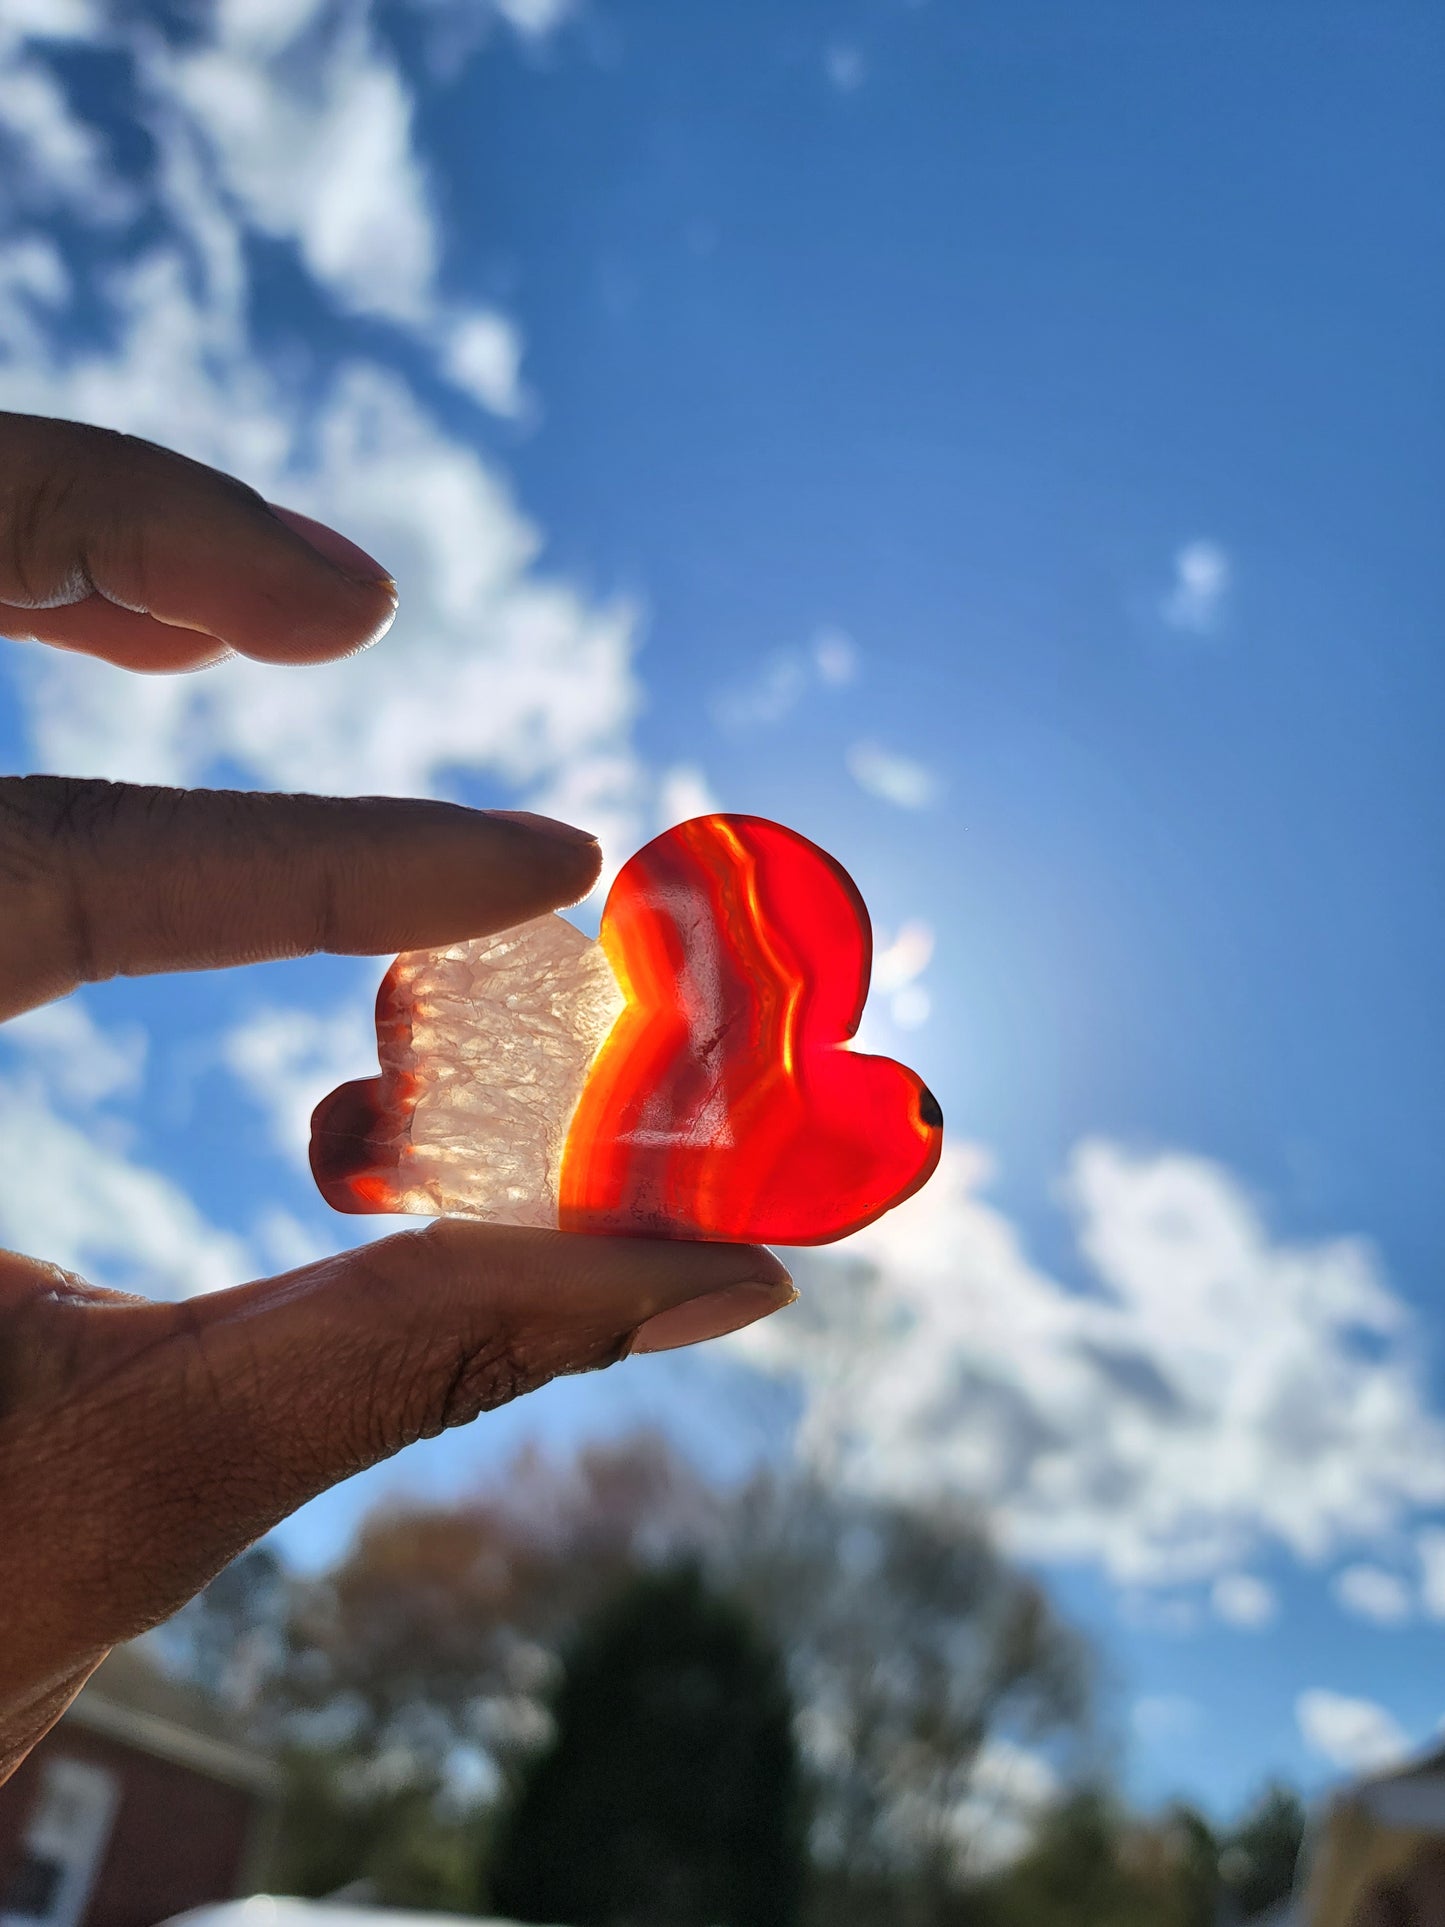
(134, 1807)
(1369, 1835)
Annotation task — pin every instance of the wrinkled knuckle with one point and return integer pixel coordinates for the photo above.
(75, 811)
(46, 908)
(58, 836)
(480, 1379)
(28, 805)
(42, 550)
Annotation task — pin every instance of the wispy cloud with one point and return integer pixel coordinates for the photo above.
(781, 683)
(1163, 1719)
(481, 353)
(900, 780)
(684, 792)
(845, 66)
(1219, 1391)
(1370, 1592)
(1430, 1546)
(97, 1209)
(1009, 1788)
(835, 658)
(1354, 1734)
(1241, 1599)
(897, 967)
(536, 18)
(85, 1063)
(1196, 598)
(286, 1059)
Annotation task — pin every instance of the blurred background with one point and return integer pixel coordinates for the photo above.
(1003, 441)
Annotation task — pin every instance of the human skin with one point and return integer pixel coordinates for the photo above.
(143, 1445)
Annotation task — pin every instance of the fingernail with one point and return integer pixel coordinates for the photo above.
(348, 556)
(714, 1316)
(546, 826)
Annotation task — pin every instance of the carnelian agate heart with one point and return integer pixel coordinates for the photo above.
(715, 1095)
(724, 1104)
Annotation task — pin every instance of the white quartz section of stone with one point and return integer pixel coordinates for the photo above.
(503, 1031)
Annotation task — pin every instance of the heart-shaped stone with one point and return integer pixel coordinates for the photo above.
(687, 1076)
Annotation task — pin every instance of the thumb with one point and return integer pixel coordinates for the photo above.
(335, 1366)
(154, 1442)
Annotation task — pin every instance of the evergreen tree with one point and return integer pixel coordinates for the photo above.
(668, 1795)
(1258, 1863)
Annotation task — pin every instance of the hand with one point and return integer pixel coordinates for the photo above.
(143, 1445)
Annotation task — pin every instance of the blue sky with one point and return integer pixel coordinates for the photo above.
(1002, 441)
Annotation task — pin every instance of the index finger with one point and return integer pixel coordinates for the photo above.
(112, 879)
(123, 550)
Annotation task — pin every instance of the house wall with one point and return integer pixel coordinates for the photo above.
(177, 1837)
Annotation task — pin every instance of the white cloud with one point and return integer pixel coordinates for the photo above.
(835, 657)
(1370, 1592)
(905, 958)
(775, 689)
(34, 281)
(1172, 1614)
(1241, 1599)
(482, 354)
(85, 1063)
(1196, 597)
(1353, 1734)
(49, 19)
(773, 693)
(900, 780)
(286, 1244)
(1430, 1545)
(536, 18)
(48, 151)
(80, 1199)
(1009, 1789)
(1162, 1719)
(845, 67)
(897, 966)
(684, 792)
(313, 145)
(911, 1007)
(302, 124)
(1215, 1392)
(288, 1059)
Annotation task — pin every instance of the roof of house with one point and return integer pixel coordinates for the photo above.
(1409, 1798)
(131, 1700)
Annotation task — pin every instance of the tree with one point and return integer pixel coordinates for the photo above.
(1092, 1865)
(912, 1647)
(912, 1650)
(669, 1794)
(1260, 1854)
(230, 1640)
(346, 1818)
(440, 1628)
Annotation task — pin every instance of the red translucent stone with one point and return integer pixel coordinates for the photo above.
(724, 1102)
